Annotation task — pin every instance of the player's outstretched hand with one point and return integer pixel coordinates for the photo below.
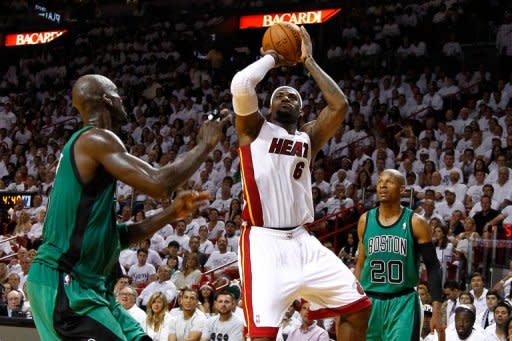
(187, 202)
(280, 60)
(307, 46)
(211, 131)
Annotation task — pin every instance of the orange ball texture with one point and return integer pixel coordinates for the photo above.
(285, 39)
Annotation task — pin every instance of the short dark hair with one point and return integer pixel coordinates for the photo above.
(476, 273)
(141, 250)
(493, 293)
(174, 243)
(453, 285)
(467, 293)
(506, 305)
(225, 293)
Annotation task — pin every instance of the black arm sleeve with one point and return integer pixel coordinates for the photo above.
(428, 252)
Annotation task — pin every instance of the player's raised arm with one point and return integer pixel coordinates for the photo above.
(331, 117)
(248, 119)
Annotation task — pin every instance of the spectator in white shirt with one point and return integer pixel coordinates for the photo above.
(479, 292)
(162, 284)
(222, 256)
(190, 321)
(496, 331)
(127, 296)
(142, 271)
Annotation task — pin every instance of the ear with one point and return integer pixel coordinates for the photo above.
(107, 100)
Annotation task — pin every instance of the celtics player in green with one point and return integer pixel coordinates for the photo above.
(391, 240)
(68, 283)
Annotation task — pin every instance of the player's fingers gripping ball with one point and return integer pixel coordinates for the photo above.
(285, 39)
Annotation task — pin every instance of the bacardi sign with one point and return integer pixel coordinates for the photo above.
(299, 18)
(32, 38)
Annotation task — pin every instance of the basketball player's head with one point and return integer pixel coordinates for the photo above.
(390, 186)
(286, 105)
(97, 99)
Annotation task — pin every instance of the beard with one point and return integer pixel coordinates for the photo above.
(285, 116)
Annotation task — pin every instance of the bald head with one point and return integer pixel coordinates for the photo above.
(395, 174)
(97, 99)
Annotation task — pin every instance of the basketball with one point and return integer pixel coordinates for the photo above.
(285, 39)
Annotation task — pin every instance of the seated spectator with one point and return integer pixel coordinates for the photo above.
(205, 245)
(348, 251)
(225, 325)
(444, 247)
(339, 201)
(127, 296)
(483, 217)
(497, 331)
(446, 208)
(14, 305)
(189, 275)
(465, 317)
(157, 322)
(451, 290)
(504, 285)
(206, 297)
(479, 292)
(179, 235)
(221, 256)
(189, 322)
(141, 272)
(291, 321)
(309, 328)
(486, 318)
(163, 284)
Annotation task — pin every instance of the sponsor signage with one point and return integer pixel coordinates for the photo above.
(299, 18)
(32, 38)
(43, 12)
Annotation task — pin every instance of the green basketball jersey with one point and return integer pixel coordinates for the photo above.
(392, 263)
(80, 235)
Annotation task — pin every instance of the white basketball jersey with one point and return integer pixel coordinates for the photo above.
(277, 179)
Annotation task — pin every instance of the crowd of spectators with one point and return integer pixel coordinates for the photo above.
(447, 125)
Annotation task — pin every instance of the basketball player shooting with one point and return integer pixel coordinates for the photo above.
(280, 260)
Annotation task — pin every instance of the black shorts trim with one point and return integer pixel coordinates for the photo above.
(71, 326)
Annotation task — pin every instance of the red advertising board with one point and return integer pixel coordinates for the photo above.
(300, 18)
(32, 38)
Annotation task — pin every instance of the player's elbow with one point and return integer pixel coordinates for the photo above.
(241, 84)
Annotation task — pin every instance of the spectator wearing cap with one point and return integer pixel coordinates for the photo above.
(207, 298)
(308, 330)
(496, 331)
(446, 207)
(162, 284)
(463, 328)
